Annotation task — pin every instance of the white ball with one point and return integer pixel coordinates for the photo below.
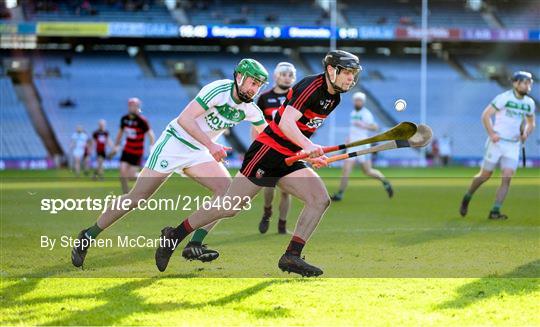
(400, 104)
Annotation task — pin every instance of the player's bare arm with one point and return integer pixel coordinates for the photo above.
(187, 121)
(151, 136)
(529, 127)
(118, 139)
(288, 126)
(256, 130)
(488, 125)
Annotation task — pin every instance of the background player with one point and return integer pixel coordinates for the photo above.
(189, 145)
(135, 127)
(79, 144)
(269, 102)
(307, 106)
(362, 122)
(101, 140)
(509, 109)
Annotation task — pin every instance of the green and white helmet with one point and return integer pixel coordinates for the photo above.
(249, 68)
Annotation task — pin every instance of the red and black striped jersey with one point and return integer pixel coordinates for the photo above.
(134, 127)
(270, 102)
(309, 96)
(100, 137)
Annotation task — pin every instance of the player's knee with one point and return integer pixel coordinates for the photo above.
(320, 202)
(507, 175)
(230, 213)
(484, 174)
(221, 187)
(365, 170)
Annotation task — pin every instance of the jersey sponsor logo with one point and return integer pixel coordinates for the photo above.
(231, 113)
(131, 133)
(272, 100)
(315, 122)
(519, 106)
(130, 122)
(326, 103)
(216, 121)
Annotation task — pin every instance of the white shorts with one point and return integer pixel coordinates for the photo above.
(78, 153)
(507, 152)
(172, 153)
(363, 158)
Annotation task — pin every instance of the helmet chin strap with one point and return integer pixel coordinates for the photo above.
(241, 96)
(333, 82)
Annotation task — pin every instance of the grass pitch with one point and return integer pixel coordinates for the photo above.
(406, 260)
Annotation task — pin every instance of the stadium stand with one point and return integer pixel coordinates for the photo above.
(19, 138)
(253, 12)
(398, 13)
(99, 86)
(110, 11)
(519, 13)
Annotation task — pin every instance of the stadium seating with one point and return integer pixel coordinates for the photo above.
(100, 86)
(519, 14)
(399, 13)
(254, 13)
(19, 138)
(154, 13)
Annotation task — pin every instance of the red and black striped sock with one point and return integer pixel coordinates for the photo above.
(183, 230)
(295, 246)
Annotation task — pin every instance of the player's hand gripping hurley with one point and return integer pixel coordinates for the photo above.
(401, 132)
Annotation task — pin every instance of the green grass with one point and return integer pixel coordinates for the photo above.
(409, 260)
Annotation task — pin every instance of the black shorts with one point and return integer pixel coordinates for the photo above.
(264, 166)
(101, 154)
(131, 159)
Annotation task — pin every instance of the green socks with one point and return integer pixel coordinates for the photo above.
(496, 207)
(467, 197)
(93, 231)
(199, 236)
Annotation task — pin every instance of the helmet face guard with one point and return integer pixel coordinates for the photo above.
(338, 69)
(284, 68)
(521, 76)
(244, 97)
(341, 60)
(249, 68)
